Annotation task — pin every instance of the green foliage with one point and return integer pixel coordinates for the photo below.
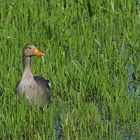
(89, 48)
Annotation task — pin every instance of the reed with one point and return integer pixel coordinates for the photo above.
(90, 47)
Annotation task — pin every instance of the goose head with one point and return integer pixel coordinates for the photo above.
(31, 50)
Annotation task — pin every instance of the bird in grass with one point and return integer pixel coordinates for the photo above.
(36, 89)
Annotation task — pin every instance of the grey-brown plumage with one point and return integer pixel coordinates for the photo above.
(35, 88)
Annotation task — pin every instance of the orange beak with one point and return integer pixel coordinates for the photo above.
(38, 53)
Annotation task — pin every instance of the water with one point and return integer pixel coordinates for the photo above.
(127, 132)
(130, 88)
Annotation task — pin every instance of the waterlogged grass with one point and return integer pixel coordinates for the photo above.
(89, 46)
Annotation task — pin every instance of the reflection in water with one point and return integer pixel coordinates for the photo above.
(130, 88)
(133, 82)
(128, 135)
(57, 123)
(58, 129)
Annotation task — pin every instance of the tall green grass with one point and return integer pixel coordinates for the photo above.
(89, 47)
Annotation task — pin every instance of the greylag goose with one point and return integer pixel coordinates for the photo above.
(35, 88)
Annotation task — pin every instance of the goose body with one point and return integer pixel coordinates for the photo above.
(36, 89)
